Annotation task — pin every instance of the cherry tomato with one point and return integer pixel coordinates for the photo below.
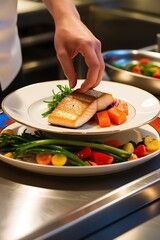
(156, 75)
(141, 150)
(144, 61)
(137, 70)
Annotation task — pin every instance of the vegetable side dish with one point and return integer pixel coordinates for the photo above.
(63, 152)
(143, 67)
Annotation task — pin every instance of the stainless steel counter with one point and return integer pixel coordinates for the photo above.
(33, 205)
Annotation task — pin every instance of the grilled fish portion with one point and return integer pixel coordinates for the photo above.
(78, 108)
(103, 99)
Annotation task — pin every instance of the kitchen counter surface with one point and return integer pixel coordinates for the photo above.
(35, 204)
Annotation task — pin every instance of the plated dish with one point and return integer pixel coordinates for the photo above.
(26, 106)
(134, 135)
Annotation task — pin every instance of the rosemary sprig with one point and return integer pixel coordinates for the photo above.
(56, 98)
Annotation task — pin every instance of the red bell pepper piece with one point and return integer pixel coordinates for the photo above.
(141, 150)
(102, 158)
(84, 153)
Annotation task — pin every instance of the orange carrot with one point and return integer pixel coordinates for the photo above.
(91, 163)
(116, 116)
(44, 158)
(103, 118)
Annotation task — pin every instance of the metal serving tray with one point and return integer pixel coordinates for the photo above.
(36, 206)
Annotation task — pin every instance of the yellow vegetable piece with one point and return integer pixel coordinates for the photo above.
(7, 131)
(154, 69)
(59, 160)
(148, 139)
(128, 147)
(9, 155)
(154, 145)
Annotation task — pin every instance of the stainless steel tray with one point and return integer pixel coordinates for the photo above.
(36, 205)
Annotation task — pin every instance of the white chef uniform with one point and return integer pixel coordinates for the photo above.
(10, 49)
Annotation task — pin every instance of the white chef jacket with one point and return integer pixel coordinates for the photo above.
(10, 49)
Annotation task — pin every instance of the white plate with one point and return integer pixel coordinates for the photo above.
(26, 106)
(135, 135)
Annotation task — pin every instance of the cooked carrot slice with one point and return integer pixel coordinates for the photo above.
(116, 116)
(91, 163)
(43, 158)
(103, 118)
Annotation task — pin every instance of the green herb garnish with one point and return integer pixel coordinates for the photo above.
(57, 97)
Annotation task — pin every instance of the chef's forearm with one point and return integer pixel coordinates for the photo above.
(60, 9)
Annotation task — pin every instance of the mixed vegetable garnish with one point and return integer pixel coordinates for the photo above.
(143, 67)
(115, 114)
(63, 152)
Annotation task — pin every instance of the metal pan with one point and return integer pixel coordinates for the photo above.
(123, 57)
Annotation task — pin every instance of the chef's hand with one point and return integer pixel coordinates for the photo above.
(73, 37)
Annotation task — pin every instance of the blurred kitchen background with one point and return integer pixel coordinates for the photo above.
(118, 24)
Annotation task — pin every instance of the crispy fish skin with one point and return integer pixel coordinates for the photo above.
(78, 108)
(74, 110)
(103, 99)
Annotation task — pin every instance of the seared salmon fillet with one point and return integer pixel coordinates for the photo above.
(74, 110)
(103, 99)
(77, 108)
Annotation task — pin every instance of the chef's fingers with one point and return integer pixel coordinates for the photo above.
(94, 60)
(68, 68)
(102, 67)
